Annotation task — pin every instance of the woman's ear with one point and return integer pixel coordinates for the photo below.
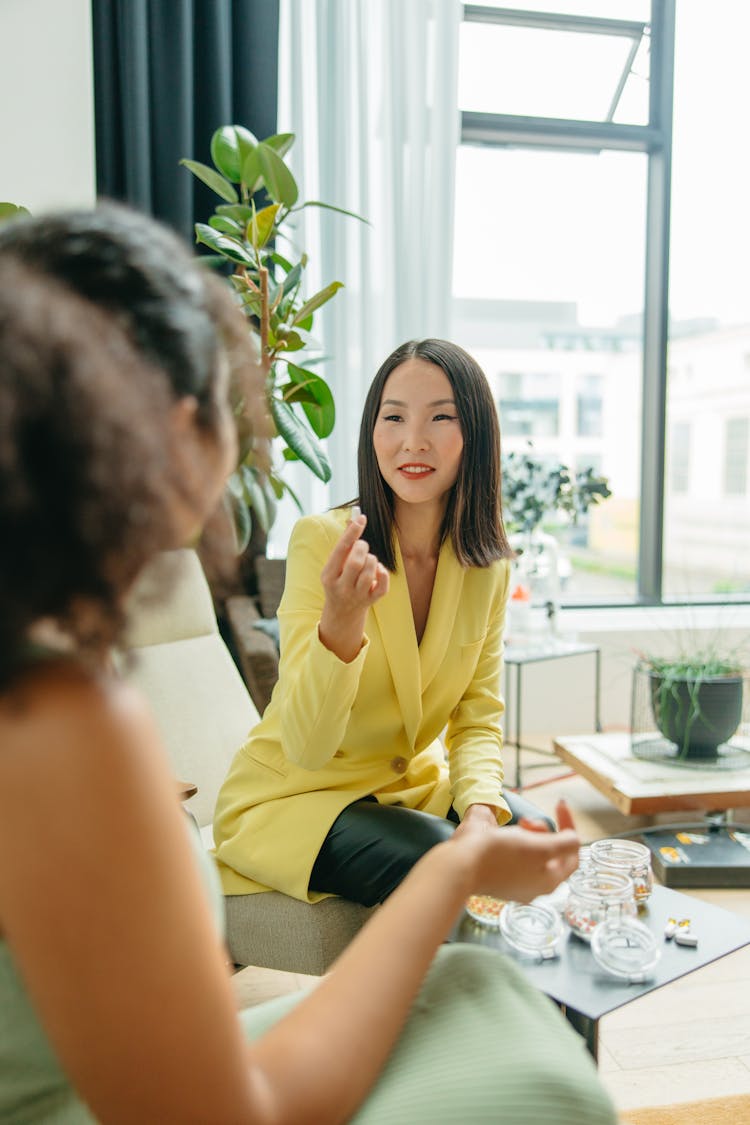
(184, 413)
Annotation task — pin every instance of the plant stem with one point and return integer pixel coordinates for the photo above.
(265, 316)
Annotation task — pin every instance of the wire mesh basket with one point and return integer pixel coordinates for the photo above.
(701, 724)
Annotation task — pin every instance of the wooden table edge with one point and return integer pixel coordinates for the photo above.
(680, 802)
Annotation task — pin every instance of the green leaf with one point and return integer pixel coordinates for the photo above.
(11, 211)
(230, 146)
(280, 261)
(289, 454)
(241, 518)
(251, 171)
(222, 244)
(256, 497)
(320, 411)
(298, 438)
(262, 226)
(212, 179)
(315, 302)
(280, 142)
(251, 302)
(277, 484)
(212, 261)
(330, 207)
(292, 279)
(240, 212)
(284, 340)
(280, 183)
(226, 225)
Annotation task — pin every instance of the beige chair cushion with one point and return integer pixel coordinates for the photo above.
(280, 932)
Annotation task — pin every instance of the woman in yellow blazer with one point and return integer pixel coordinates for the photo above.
(385, 644)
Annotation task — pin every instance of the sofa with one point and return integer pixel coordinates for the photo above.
(175, 654)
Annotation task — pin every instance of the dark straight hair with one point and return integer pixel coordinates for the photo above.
(473, 517)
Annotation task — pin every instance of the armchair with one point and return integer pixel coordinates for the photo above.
(175, 654)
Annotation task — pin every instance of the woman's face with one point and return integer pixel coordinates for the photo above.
(417, 437)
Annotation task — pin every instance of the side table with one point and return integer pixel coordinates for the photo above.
(517, 656)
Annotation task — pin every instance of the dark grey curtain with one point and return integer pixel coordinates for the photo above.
(167, 73)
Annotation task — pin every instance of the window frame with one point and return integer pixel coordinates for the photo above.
(655, 140)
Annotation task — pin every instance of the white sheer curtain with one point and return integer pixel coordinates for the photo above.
(369, 87)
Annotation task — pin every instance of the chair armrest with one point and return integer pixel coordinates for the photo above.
(256, 652)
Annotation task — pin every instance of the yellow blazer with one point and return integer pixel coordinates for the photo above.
(334, 732)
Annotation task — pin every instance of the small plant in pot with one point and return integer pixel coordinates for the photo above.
(696, 700)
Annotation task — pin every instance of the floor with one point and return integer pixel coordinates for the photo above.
(686, 1041)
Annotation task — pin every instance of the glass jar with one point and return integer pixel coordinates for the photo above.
(533, 929)
(625, 948)
(598, 896)
(627, 857)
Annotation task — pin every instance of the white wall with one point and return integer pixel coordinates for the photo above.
(46, 104)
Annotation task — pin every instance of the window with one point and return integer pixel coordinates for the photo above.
(679, 478)
(736, 456)
(593, 129)
(590, 407)
(709, 303)
(556, 281)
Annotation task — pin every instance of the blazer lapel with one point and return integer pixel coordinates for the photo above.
(446, 595)
(396, 624)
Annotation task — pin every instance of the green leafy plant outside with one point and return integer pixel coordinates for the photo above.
(535, 489)
(246, 234)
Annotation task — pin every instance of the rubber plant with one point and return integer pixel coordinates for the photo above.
(258, 200)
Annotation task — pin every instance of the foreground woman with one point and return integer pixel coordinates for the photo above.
(115, 1003)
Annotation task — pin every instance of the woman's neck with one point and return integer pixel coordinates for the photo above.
(418, 531)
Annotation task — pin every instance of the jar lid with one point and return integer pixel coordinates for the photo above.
(626, 948)
(485, 910)
(598, 886)
(532, 928)
(618, 851)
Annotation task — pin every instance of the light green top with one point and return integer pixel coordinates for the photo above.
(34, 1090)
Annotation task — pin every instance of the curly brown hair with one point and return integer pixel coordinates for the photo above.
(106, 320)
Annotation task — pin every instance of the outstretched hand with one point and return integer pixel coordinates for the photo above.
(523, 861)
(353, 579)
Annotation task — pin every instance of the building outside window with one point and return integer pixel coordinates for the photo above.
(737, 432)
(590, 406)
(679, 459)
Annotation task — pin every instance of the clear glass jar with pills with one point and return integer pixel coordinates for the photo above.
(626, 857)
(598, 896)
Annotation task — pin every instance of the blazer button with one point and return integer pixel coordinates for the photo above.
(399, 765)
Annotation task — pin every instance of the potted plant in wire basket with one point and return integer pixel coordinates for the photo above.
(696, 699)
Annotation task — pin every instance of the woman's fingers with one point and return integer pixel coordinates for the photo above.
(340, 553)
(564, 816)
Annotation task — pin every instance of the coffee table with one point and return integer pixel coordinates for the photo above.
(636, 786)
(585, 992)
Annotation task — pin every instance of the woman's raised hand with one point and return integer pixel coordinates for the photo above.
(352, 580)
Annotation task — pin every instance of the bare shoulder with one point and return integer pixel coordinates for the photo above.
(60, 723)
